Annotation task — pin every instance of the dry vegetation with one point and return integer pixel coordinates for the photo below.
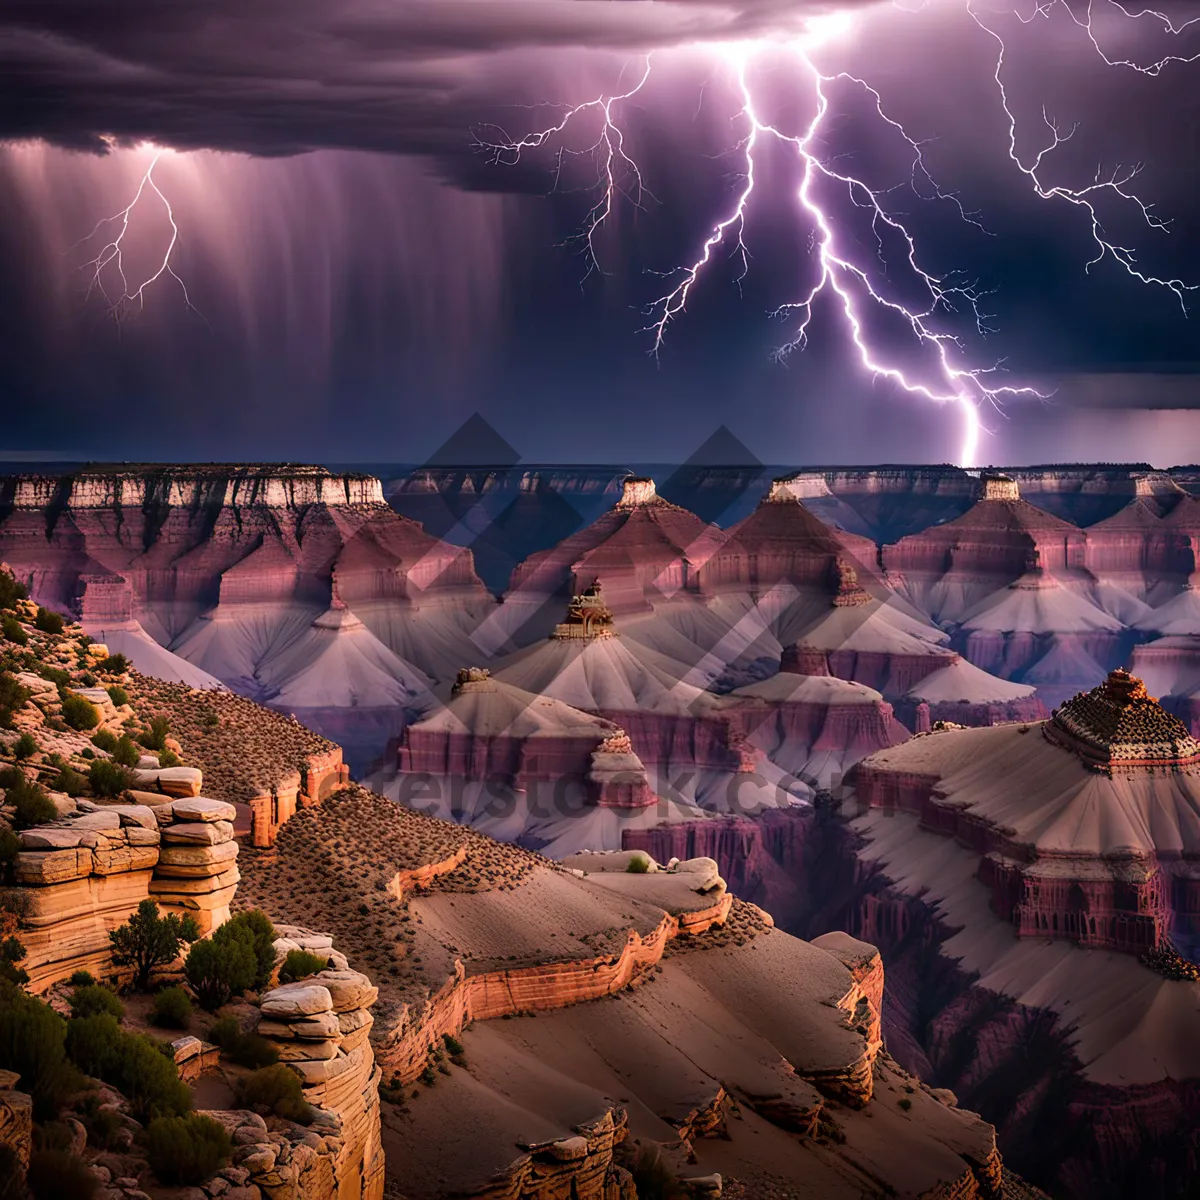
(332, 867)
(241, 747)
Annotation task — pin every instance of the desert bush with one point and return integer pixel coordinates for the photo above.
(79, 712)
(211, 719)
(245, 1049)
(168, 758)
(32, 1043)
(150, 940)
(255, 929)
(12, 697)
(13, 631)
(47, 621)
(453, 1045)
(299, 964)
(133, 1064)
(126, 751)
(55, 1174)
(218, 972)
(639, 864)
(104, 739)
(108, 778)
(11, 591)
(33, 806)
(187, 1150)
(10, 846)
(70, 782)
(95, 998)
(154, 736)
(118, 695)
(172, 1008)
(276, 1090)
(25, 747)
(11, 953)
(114, 664)
(81, 979)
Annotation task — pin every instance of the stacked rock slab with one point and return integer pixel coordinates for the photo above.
(197, 869)
(86, 873)
(320, 1026)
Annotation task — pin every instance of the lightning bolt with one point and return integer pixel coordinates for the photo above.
(617, 174)
(854, 285)
(112, 253)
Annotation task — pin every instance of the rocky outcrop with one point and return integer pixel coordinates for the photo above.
(86, 874)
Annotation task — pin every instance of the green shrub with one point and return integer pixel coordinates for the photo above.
(79, 712)
(168, 758)
(114, 664)
(47, 621)
(11, 953)
(172, 1008)
(108, 778)
(33, 806)
(133, 1064)
(255, 929)
(11, 590)
(126, 751)
(81, 979)
(245, 1049)
(94, 1043)
(218, 972)
(150, 1081)
(211, 719)
(150, 940)
(32, 1037)
(10, 846)
(70, 782)
(639, 864)
(275, 1090)
(26, 746)
(118, 695)
(55, 1174)
(187, 1150)
(95, 998)
(299, 964)
(453, 1045)
(12, 697)
(154, 736)
(13, 631)
(104, 739)
(55, 675)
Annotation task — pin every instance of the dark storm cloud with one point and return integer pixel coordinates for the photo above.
(286, 76)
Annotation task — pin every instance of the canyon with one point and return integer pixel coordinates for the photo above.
(841, 687)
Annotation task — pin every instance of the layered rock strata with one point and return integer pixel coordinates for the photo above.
(86, 874)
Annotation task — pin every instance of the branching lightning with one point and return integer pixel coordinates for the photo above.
(856, 285)
(113, 252)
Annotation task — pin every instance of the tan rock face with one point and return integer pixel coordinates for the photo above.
(201, 808)
(297, 1000)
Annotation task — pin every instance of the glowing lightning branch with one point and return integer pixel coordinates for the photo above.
(617, 173)
(1115, 184)
(112, 253)
(854, 285)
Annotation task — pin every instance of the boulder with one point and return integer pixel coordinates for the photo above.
(141, 815)
(297, 1000)
(137, 836)
(198, 856)
(50, 837)
(206, 833)
(201, 808)
(101, 818)
(315, 1028)
(307, 1051)
(348, 989)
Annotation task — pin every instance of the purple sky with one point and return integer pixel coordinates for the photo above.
(366, 278)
